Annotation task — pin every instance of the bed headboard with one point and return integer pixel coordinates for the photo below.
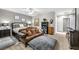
(17, 24)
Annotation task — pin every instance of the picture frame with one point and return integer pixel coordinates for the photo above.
(36, 22)
(51, 21)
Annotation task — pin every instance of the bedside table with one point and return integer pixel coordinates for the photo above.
(51, 30)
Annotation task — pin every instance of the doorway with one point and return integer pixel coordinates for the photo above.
(66, 24)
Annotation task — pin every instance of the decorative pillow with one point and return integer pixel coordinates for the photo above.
(29, 33)
(37, 30)
(33, 31)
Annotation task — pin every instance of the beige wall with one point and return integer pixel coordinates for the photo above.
(77, 21)
(10, 16)
(48, 16)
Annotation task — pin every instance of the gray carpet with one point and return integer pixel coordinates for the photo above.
(6, 42)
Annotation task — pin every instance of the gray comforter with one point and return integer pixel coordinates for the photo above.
(43, 43)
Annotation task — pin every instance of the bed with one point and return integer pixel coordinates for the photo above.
(16, 27)
(37, 41)
(18, 32)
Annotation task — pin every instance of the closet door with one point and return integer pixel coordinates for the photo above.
(66, 24)
(59, 24)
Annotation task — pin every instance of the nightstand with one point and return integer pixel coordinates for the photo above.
(51, 30)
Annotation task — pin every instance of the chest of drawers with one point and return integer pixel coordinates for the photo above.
(4, 33)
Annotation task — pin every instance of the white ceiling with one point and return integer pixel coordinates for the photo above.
(35, 11)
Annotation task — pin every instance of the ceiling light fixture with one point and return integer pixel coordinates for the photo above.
(29, 10)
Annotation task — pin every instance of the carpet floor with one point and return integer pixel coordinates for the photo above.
(62, 43)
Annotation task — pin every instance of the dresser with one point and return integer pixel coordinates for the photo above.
(74, 39)
(51, 30)
(4, 32)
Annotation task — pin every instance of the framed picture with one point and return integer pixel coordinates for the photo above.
(51, 21)
(23, 20)
(16, 17)
(36, 22)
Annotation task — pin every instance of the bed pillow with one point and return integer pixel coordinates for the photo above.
(21, 25)
(23, 31)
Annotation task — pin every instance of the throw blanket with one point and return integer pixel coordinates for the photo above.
(42, 43)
